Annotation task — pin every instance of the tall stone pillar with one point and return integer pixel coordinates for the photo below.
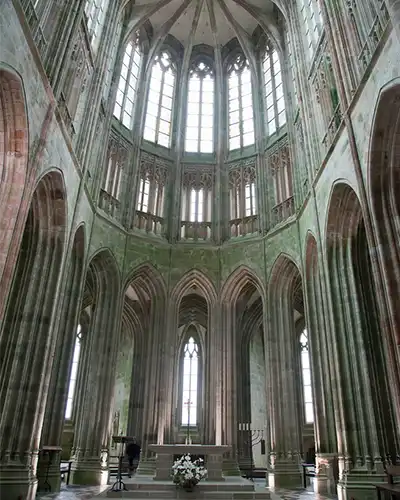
(324, 377)
(27, 340)
(54, 418)
(281, 346)
(97, 378)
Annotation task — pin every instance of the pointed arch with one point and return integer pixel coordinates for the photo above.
(383, 185)
(149, 276)
(238, 281)
(196, 278)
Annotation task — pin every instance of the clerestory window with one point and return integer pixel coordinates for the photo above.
(200, 110)
(196, 205)
(158, 120)
(74, 373)
(95, 11)
(127, 85)
(273, 91)
(310, 11)
(306, 378)
(190, 374)
(240, 106)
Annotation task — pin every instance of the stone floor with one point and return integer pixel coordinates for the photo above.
(89, 492)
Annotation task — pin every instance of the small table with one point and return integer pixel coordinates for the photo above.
(50, 451)
(393, 489)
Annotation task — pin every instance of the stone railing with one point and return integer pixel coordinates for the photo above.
(195, 230)
(149, 222)
(34, 25)
(282, 211)
(110, 204)
(243, 226)
(333, 126)
(374, 35)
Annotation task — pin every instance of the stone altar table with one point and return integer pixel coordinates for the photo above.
(166, 452)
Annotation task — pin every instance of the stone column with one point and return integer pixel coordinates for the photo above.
(282, 385)
(93, 419)
(59, 383)
(27, 340)
(324, 377)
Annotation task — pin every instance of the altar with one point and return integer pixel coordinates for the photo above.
(166, 453)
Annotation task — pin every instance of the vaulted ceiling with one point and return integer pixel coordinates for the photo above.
(213, 22)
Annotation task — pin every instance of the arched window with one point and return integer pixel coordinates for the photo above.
(190, 375)
(306, 378)
(241, 117)
(95, 11)
(200, 110)
(74, 373)
(310, 11)
(126, 93)
(157, 126)
(196, 205)
(273, 91)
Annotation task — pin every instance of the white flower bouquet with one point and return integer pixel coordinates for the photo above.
(187, 473)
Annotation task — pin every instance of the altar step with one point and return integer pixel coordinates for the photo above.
(235, 488)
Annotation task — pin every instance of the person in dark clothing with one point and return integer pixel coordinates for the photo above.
(133, 452)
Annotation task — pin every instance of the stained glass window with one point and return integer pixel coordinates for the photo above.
(306, 377)
(157, 126)
(190, 382)
(200, 110)
(74, 373)
(127, 84)
(240, 106)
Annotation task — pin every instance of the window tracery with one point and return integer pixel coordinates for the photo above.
(280, 164)
(200, 109)
(110, 194)
(127, 84)
(95, 11)
(158, 119)
(243, 199)
(306, 378)
(152, 181)
(197, 188)
(240, 104)
(273, 91)
(74, 373)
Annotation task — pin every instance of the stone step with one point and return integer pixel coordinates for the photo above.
(184, 495)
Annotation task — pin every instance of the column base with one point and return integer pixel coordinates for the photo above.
(89, 471)
(326, 477)
(49, 478)
(230, 467)
(285, 474)
(359, 485)
(17, 481)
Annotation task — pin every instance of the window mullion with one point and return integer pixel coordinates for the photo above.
(200, 115)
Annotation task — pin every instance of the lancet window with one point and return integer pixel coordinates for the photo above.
(243, 199)
(190, 380)
(273, 91)
(240, 105)
(310, 11)
(74, 373)
(200, 109)
(306, 378)
(127, 85)
(196, 202)
(158, 120)
(117, 157)
(95, 11)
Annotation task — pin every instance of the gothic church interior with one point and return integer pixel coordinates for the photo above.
(200, 236)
